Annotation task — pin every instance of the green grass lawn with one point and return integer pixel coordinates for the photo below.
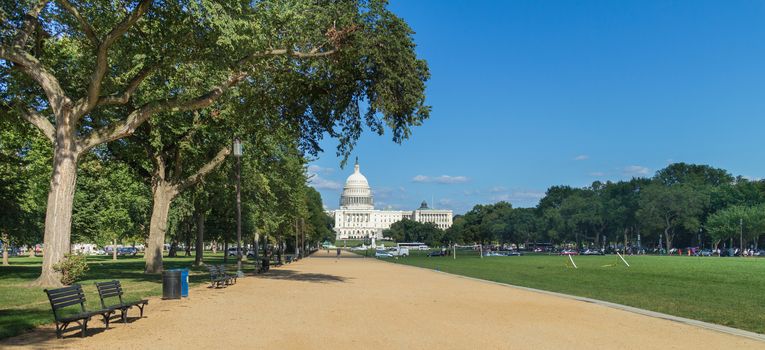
(23, 307)
(726, 291)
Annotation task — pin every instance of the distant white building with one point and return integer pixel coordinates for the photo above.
(357, 217)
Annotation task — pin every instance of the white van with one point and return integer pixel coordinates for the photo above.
(399, 251)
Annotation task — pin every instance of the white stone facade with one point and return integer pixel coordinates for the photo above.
(358, 219)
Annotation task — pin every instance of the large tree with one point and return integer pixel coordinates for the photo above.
(671, 208)
(77, 72)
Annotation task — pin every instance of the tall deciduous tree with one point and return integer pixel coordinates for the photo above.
(671, 207)
(77, 73)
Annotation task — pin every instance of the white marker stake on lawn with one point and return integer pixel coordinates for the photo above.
(572, 261)
(625, 261)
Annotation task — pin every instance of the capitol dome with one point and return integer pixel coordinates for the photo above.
(356, 193)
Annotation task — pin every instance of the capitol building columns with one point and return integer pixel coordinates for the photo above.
(358, 219)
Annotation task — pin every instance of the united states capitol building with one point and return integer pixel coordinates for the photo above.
(357, 217)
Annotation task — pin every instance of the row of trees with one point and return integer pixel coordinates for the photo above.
(682, 205)
(156, 90)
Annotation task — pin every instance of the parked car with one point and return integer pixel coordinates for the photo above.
(705, 252)
(569, 252)
(513, 253)
(437, 253)
(592, 252)
(232, 251)
(128, 251)
(382, 254)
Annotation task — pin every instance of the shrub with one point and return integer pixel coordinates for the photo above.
(72, 268)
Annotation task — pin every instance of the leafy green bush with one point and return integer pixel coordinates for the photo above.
(72, 268)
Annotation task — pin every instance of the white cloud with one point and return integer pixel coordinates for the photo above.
(421, 178)
(635, 170)
(315, 169)
(443, 179)
(497, 189)
(582, 157)
(523, 196)
(321, 183)
(445, 202)
(390, 193)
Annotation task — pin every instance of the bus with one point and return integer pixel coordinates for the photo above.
(413, 246)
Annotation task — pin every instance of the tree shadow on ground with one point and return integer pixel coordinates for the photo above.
(333, 255)
(292, 275)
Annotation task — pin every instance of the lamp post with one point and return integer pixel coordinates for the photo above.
(238, 156)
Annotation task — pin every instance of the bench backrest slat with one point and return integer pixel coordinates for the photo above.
(108, 290)
(67, 296)
(60, 305)
(53, 293)
(64, 299)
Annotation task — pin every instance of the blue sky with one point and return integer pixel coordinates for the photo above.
(530, 94)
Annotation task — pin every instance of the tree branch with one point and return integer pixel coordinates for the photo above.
(34, 118)
(280, 52)
(204, 170)
(89, 102)
(124, 98)
(40, 122)
(160, 163)
(137, 117)
(140, 115)
(34, 69)
(86, 27)
(29, 22)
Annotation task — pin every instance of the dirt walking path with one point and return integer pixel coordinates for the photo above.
(356, 303)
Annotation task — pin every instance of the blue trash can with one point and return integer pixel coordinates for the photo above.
(184, 282)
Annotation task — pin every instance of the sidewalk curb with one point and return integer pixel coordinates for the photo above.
(683, 320)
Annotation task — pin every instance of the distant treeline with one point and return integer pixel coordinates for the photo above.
(681, 205)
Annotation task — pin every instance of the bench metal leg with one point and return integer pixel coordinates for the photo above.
(60, 330)
(85, 327)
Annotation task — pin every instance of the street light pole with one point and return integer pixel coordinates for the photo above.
(238, 156)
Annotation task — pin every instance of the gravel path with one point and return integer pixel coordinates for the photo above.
(347, 303)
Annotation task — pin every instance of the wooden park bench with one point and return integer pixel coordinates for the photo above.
(113, 289)
(68, 296)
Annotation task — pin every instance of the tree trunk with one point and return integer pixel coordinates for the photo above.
(667, 239)
(188, 242)
(200, 239)
(225, 251)
(279, 251)
(114, 249)
(5, 249)
(625, 240)
(255, 248)
(173, 249)
(58, 214)
(214, 246)
(163, 194)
